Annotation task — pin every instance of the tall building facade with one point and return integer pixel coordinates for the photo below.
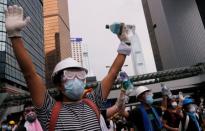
(11, 77)
(80, 53)
(137, 54)
(86, 62)
(76, 46)
(57, 34)
(178, 29)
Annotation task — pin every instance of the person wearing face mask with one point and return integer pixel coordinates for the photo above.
(172, 116)
(191, 121)
(4, 126)
(145, 117)
(69, 76)
(28, 121)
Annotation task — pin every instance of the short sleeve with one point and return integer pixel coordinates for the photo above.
(43, 113)
(96, 96)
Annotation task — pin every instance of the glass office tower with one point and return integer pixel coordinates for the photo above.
(11, 78)
(177, 27)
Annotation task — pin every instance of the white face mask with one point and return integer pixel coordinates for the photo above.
(192, 109)
(74, 89)
(149, 99)
(174, 104)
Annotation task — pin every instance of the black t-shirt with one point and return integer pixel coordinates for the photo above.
(191, 125)
(135, 116)
(172, 118)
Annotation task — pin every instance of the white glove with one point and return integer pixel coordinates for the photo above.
(181, 97)
(14, 21)
(124, 49)
(166, 91)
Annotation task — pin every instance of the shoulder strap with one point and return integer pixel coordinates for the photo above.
(54, 115)
(56, 110)
(91, 104)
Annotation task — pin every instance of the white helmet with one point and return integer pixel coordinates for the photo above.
(65, 64)
(140, 90)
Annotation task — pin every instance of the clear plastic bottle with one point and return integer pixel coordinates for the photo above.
(126, 99)
(126, 83)
(129, 86)
(117, 27)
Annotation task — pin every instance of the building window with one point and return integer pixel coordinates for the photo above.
(2, 46)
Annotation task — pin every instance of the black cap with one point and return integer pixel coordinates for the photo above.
(107, 26)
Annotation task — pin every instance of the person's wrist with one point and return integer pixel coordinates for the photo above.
(13, 34)
(116, 107)
(122, 89)
(124, 49)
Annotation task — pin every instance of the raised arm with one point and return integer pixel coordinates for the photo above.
(14, 24)
(123, 50)
(119, 105)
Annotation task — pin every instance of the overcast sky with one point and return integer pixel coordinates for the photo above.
(88, 19)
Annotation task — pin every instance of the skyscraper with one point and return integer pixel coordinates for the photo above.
(80, 53)
(76, 46)
(137, 54)
(178, 30)
(11, 78)
(57, 34)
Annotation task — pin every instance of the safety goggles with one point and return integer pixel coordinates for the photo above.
(69, 75)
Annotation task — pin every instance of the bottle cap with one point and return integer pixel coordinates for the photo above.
(107, 26)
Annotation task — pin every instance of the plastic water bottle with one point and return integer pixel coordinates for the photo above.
(117, 28)
(126, 99)
(126, 83)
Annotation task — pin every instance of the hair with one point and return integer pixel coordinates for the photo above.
(169, 103)
(185, 107)
(59, 97)
(139, 98)
(57, 78)
(27, 104)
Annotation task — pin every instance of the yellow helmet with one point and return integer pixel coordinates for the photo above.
(11, 122)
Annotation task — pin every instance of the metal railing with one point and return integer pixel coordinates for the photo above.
(145, 79)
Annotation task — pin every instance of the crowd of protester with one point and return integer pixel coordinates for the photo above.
(173, 114)
(77, 109)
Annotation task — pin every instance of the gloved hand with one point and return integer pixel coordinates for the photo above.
(14, 21)
(166, 91)
(181, 97)
(124, 47)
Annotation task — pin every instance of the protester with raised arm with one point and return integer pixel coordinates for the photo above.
(73, 112)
